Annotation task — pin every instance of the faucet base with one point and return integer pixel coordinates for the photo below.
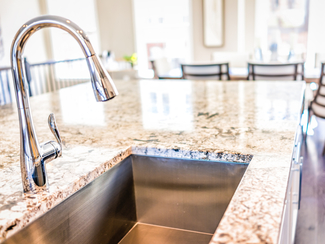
(36, 182)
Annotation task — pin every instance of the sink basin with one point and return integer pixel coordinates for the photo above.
(142, 200)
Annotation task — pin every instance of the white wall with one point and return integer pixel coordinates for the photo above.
(116, 26)
(232, 43)
(262, 11)
(13, 14)
(249, 25)
(48, 43)
(316, 35)
(157, 23)
(110, 26)
(81, 12)
(200, 51)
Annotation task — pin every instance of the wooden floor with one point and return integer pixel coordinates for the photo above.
(311, 217)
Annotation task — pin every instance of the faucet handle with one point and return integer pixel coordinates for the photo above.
(51, 149)
(54, 129)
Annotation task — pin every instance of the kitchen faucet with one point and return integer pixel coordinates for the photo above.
(34, 156)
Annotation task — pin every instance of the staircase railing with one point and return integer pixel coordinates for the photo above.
(45, 77)
(5, 85)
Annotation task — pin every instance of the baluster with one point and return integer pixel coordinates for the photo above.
(74, 80)
(35, 81)
(48, 79)
(56, 69)
(40, 82)
(69, 79)
(8, 85)
(65, 82)
(3, 97)
(52, 79)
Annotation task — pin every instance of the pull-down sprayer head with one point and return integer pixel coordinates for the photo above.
(103, 86)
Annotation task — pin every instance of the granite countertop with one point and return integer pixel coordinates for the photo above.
(248, 122)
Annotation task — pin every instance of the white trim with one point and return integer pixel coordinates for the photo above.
(241, 26)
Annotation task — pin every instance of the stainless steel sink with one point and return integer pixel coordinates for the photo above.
(142, 200)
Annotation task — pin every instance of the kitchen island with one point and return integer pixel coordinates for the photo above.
(244, 122)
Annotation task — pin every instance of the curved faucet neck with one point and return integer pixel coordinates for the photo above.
(33, 156)
(44, 21)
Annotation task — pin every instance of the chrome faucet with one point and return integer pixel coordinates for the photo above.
(34, 156)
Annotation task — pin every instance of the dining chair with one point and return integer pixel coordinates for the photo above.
(162, 69)
(235, 59)
(275, 71)
(317, 105)
(215, 71)
(319, 58)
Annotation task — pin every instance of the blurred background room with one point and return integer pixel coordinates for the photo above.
(146, 39)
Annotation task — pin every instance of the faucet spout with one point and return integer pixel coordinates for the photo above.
(34, 156)
(103, 86)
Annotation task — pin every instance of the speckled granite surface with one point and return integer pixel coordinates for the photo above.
(252, 122)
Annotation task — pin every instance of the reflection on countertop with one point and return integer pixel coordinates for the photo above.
(166, 105)
(252, 122)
